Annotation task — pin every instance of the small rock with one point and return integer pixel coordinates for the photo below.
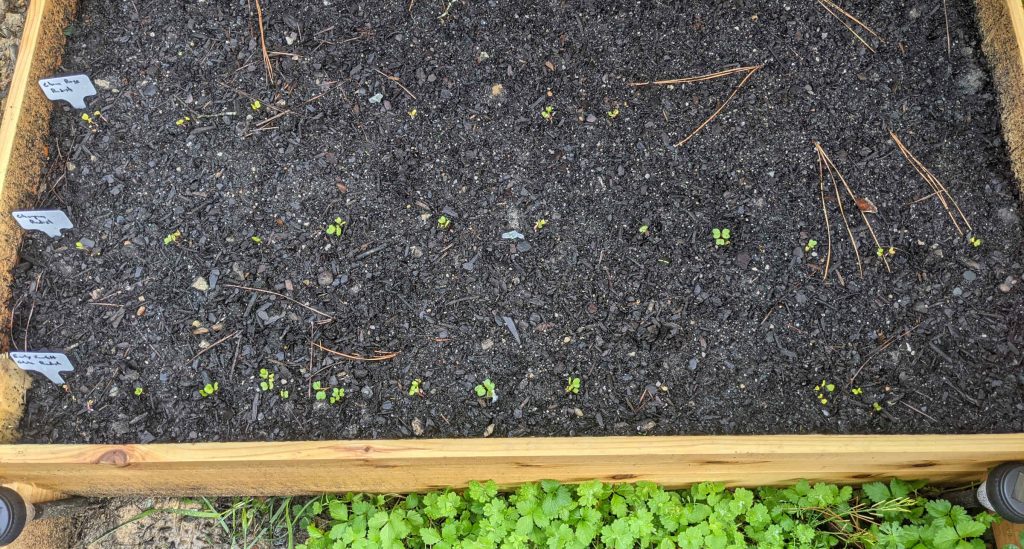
(200, 284)
(646, 426)
(487, 344)
(377, 98)
(367, 392)
(970, 276)
(591, 118)
(489, 430)
(692, 365)
(513, 235)
(523, 246)
(497, 90)
(416, 251)
(417, 426)
(958, 291)
(325, 278)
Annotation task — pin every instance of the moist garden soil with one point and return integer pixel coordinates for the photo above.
(389, 115)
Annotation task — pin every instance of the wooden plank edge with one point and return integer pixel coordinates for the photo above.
(1016, 9)
(1007, 533)
(25, 126)
(397, 466)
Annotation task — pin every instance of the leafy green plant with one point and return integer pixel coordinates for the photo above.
(256, 105)
(284, 394)
(811, 244)
(443, 222)
(823, 389)
(319, 392)
(882, 252)
(975, 241)
(573, 386)
(256, 239)
(172, 238)
(486, 390)
(539, 224)
(414, 388)
(337, 394)
(268, 379)
(548, 113)
(209, 389)
(138, 391)
(876, 406)
(614, 113)
(593, 514)
(721, 237)
(644, 230)
(337, 228)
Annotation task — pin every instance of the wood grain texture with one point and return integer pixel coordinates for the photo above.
(14, 382)
(1016, 9)
(1007, 533)
(292, 468)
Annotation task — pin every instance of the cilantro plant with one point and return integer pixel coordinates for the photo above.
(975, 241)
(548, 113)
(138, 391)
(721, 236)
(172, 238)
(319, 392)
(592, 514)
(337, 394)
(811, 244)
(443, 222)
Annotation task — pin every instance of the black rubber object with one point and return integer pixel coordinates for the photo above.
(1005, 490)
(13, 515)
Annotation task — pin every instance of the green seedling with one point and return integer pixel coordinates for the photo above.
(644, 229)
(975, 241)
(256, 105)
(443, 222)
(721, 236)
(337, 228)
(337, 394)
(139, 391)
(182, 121)
(412, 113)
(172, 238)
(811, 244)
(882, 252)
(79, 245)
(876, 406)
(486, 390)
(573, 386)
(857, 391)
(268, 379)
(209, 389)
(257, 239)
(414, 388)
(548, 113)
(284, 394)
(321, 393)
(539, 224)
(614, 113)
(91, 120)
(822, 389)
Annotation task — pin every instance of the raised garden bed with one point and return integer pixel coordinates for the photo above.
(667, 332)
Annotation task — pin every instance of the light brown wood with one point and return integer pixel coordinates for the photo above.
(1016, 9)
(285, 468)
(1007, 533)
(26, 123)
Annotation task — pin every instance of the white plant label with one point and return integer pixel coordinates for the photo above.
(48, 364)
(73, 88)
(51, 222)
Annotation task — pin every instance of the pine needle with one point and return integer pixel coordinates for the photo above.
(849, 21)
(938, 189)
(751, 71)
(824, 210)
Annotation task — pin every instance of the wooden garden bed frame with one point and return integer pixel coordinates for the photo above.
(43, 472)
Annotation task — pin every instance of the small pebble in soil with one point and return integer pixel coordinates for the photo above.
(692, 364)
(325, 278)
(970, 276)
(200, 284)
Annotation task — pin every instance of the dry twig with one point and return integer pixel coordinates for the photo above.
(282, 296)
(692, 79)
(378, 356)
(824, 210)
(823, 157)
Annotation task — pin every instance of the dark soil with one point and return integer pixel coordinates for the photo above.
(668, 333)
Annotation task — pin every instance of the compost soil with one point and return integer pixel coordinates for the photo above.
(201, 179)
